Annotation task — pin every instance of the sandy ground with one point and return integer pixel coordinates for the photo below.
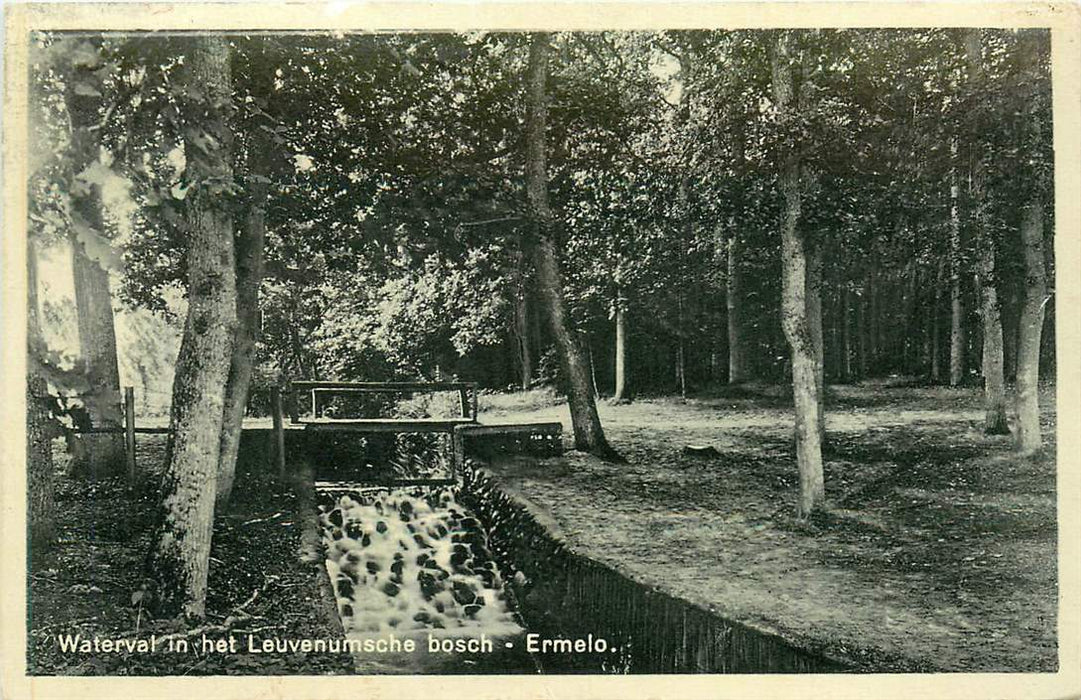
(938, 552)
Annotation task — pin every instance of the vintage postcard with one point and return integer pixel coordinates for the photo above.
(541, 350)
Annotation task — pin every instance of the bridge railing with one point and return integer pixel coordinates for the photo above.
(467, 394)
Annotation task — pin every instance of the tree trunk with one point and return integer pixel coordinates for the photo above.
(813, 252)
(621, 347)
(861, 331)
(874, 350)
(737, 370)
(994, 385)
(179, 561)
(846, 334)
(41, 511)
(592, 367)
(681, 355)
(957, 312)
(103, 454)
(794, 319)
(1009, 336)
(249, 276)
(522, 327)
(588, 433)
(910, 342)
(1028, 438)
(936, 331)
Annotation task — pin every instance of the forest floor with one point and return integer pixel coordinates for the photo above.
(937, 551)
(258, 583)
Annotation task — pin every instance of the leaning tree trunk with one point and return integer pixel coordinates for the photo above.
(249, 275)
(103, 455)
(994, 385)
(737, 368)
(794, 305)
(588, 433)
(41, 509)
(179, 561)
(621, 347)
(1028, 438)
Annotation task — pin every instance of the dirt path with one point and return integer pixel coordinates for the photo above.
(939, 552)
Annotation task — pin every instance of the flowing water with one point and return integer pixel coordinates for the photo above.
(414, 564)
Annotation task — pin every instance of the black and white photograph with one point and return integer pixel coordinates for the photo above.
(670, 350)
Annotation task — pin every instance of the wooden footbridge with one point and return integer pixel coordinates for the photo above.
(464, 433)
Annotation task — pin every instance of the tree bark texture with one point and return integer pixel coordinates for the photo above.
(794, 303)
(41, 508)
(1028, 438)
(814, 325)
(681, 349)
(737, 369)
(846, 334)
(874, 293)
(957, 311)
(994, 384)
(522, 325)
(621, 348)
(180, 558)
(1009, 335)
(588, 433)
(103, 454)
(249, 276)
(936, 322)
(861, 331)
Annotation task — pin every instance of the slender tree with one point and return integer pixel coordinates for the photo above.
(588, 433)
(737, 367)
(794, 304)
(620, 311)
(523, 335)
(180, 557)
(1035, 297)
(957, 310)
(248, 243)
(994, 385)
(41, 514)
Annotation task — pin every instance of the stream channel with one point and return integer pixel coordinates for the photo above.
(465, 572)
(414, 564)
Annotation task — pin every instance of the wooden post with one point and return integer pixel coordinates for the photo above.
(314, 414)
(279, 429)
(457, 450)
(463, 401)
(473, 413)
(129, 430)
(294, 409)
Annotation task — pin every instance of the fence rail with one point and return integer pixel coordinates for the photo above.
(467, 392)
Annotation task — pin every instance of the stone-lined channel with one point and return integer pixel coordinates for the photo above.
(414, 564)
(467, 573)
